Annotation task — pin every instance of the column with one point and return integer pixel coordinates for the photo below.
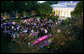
(64, 14)
(55, 12)
(67, 13)
(60, 13)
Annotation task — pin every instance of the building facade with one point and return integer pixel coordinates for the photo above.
(64, 8)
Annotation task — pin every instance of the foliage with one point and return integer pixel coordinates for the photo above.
(77, 16)
(78, 9)
(44, 9)
(7, 6)
(53, 17)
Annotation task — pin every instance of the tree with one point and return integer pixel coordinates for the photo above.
(77, 15)
(44, 9)
(8, 6)
(5, 6)
(78, 9)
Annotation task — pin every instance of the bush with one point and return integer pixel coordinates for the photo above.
(53, 17)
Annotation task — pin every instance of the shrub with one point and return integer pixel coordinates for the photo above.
(53, 17)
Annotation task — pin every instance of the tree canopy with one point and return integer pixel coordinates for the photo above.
(44, 9)
(28, 6)
(78, 9)
(7, 6)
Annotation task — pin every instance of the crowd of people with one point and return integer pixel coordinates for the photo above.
(35, 28)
